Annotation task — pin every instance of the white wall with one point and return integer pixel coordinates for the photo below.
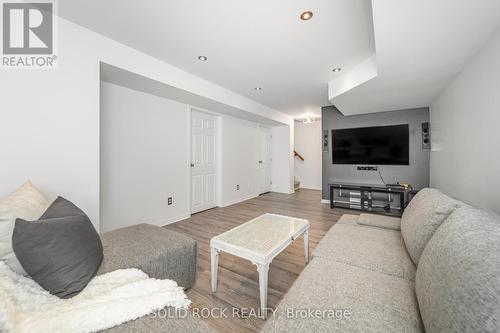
(307, 140)
(465, 132)
(145, 153)
(282, 152)
(240, 156)
(144, 158)
(51, 117)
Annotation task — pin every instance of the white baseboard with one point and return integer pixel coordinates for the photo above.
(284, 192)
(325, 201)
(307, 187)
(173, 220)
(235, 201)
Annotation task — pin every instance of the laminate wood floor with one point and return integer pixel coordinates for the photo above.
(238, 281)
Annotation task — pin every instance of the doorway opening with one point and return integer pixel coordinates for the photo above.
(204, 162)
(265, 160)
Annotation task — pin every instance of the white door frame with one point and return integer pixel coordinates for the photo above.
(218, 154)
(268, 162)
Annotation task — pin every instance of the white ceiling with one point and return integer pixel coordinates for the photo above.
(257, 43)
(421, 46)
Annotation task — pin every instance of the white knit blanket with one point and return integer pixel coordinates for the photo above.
(108, 300)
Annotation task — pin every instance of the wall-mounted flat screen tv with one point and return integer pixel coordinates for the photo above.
(379, 145)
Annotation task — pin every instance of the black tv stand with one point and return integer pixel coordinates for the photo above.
(364, 198)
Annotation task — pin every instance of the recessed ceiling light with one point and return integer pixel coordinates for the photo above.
(202, 58)
(258, 88)
(306, 15)
(338, 69)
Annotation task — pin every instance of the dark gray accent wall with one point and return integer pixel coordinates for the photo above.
(417, 173)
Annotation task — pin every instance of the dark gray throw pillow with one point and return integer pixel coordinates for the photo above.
(61, 251)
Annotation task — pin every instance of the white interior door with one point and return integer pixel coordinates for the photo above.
(265, 160)
(203, 161)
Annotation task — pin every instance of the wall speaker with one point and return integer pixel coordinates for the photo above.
(325, 141)
(426, 136)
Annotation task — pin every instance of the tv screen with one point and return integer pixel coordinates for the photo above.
(380, 145)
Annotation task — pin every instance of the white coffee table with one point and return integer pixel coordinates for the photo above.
(259, 240)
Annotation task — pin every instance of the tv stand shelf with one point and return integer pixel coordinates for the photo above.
(361, 197)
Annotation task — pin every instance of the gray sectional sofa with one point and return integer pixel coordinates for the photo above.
(439, 273)
(437, 269)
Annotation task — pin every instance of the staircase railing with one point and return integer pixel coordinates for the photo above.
(298, 155)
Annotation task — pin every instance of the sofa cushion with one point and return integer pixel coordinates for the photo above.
(380, 221)
(376, 249)
(458, 277)
(374, 302)
(61, 251)
(160, 253)
(424, 214)
(28, 203)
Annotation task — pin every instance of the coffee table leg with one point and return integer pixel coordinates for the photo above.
(306, 245)
(263, 270)
(215, 265)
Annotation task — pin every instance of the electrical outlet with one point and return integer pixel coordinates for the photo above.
(237, 187)
(169, 201)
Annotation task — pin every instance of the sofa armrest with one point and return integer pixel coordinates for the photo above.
(380, 221)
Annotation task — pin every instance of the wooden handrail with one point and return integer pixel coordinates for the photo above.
(298, 155)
